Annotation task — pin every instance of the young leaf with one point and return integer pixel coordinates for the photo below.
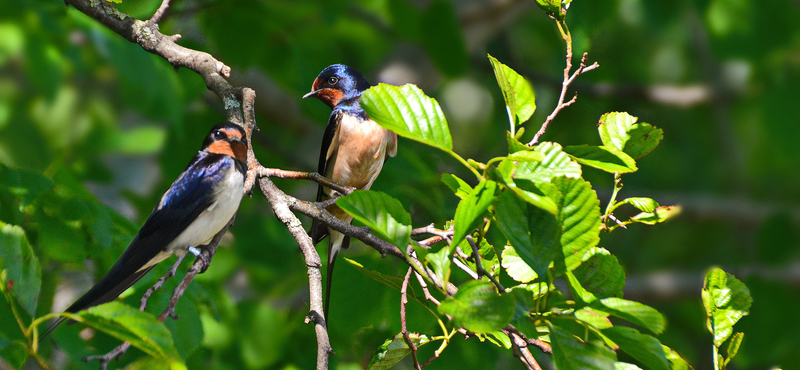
(380, 212)
(457, 185)
(532, 231)
(634, 312)
(23, 272)
(517, 92)
(726, 300)
(644, 137)
(393, 350)
(394, 282)
(675, 360)
(660, 214)
(581, 295)
(570, 353)
(515, 267)
(642, 204)
(601, 273)
(555, 163)
(524, 189)
(644, 348)
(140, 329)
(733, 345)
(441, 263)
(515, 145)
(606, 158)
(580, 218)
(408, 112)
(478, 308)
(470, 211)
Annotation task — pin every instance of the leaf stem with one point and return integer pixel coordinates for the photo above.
(464, 162)
(611, 203)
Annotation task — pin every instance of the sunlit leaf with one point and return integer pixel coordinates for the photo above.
(675, 360)
(606, 158)
(660, 214)
(644, 348)
(515, 145)
(625, 366)
(593, 318)
(582, 296)
(517, 92)
(644, 137)
(393, 350)
(441, 261)
(22, 271)
(555, 163)
(642, 204)
(726, 300)
(634, 312)
(515, 267)
(384, 215)
(525, 189)
(470, 211)
(579, 217)
(408, 112)
(140, 329)
(477, 307)
(733, 345)
(570, 353)
(620, 130)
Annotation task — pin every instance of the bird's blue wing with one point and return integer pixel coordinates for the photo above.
(318, 230)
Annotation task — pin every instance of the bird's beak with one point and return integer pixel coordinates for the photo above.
(312, 93)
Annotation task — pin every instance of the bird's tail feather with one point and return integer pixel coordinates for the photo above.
(338, 241)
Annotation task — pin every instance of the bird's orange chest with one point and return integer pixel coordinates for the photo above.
(360, 154)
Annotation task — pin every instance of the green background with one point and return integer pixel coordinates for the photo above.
(112, 126)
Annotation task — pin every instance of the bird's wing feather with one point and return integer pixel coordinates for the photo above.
(327, 157)
(189, 195)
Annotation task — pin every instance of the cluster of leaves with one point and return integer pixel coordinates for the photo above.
(726, 300)
(532, 218)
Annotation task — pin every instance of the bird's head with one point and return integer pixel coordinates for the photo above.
(336, 83)
(229, 139)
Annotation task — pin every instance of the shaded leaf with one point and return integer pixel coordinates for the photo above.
(726, 300)
(601, 273)
(393, 350)
(457, 185)
(644, 137)
(644, 348)
(733, 345)
(442, 38)
(394, 282)
(660, 214)
(22, 270)
(441, 263)
(634, 312)
(470, 211)
(477, 307)
(14, 354)
(532, 231)
(523, 188)
(408, 112)
(384, 215)
(517, 92)
(570, 353)
(606, 158)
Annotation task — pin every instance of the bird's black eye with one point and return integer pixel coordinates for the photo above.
(219, 134)
(333, 80)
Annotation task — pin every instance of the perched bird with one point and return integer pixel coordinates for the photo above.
(354, 148)
(196, 207)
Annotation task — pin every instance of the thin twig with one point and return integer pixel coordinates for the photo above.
(159, 12)
(160, 282)
(479, 265)
(403, 323)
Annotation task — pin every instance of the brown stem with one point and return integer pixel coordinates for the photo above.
(403, 323)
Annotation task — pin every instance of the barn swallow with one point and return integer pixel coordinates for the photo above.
(354, 149)
(194, 209)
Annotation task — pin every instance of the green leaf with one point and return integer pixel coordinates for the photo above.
(551, 7)
(470, 211)
(733, 345)
(394, 282)
(23, 273)
(634, 312)
(515, 145)
(601, 273)
(606, 158)
(515, 267)
(478, 308)
(620, 130)
(593, 318)
(384, 215)
(675, 360)
(457, 185)
(581, 295)
(625, 366)
(644, 137)
(532, 231)
(660, 214)
(517, 92)
(726, 300)
(140, 140)
(644, 348)
(393, 350)
(642, 204)
(25, 184)
(408, 112)
(140, 329)
(579, 217)
(152, 363)
(555, 163)
(14, 354)
(570, 353)
(441, 263)
(523, 188)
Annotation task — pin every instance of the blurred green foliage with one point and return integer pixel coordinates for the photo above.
(93, 130)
